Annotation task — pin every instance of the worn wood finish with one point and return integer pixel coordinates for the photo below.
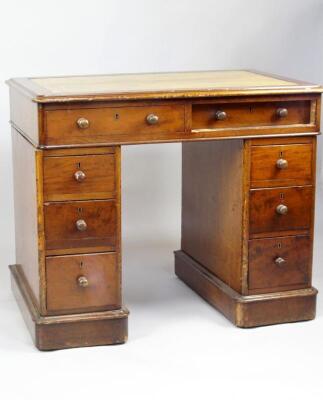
(266, 173)
(27, 190)
(60, 177)
(212, 203)
(25, 114)
(79, 151)
(119, 117)
(264, 217)
(66, 331)
(246, 311)
(263, 141)
(266, 275)
(157, 135)
(61, 219)
(110, 124)
(250, 114)
(254, 116)
(64, 293)
(238, 253)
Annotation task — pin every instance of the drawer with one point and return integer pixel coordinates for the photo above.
(281, 165)
(111, 124)
(281, 263)
(243, 114)
(80, 226)
(281, 209)
(79, 177)
(81, 283)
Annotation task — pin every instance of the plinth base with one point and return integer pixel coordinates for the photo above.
(66, 331)
(246, 311)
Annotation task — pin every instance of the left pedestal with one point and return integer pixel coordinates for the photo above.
(67, 276)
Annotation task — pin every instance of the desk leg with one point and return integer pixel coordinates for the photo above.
(243, 257)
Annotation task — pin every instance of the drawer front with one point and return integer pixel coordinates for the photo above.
(111, 124)
(79, 177)
(281, 165)
(240, 115)
(280, 209)
(281, 263)
(81, 226)
(81, 283)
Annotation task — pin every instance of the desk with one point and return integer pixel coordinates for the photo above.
(248, 185)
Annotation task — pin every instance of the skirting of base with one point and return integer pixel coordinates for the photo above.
(66, 331)
(246, 311)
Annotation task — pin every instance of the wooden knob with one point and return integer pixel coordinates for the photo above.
(83, 123)
(282, 112)
(281, 163)
(81, 225)
(152, 119)
(83, 281)
(220, 115)
(282, 209)
(280, 261)
(79, 176)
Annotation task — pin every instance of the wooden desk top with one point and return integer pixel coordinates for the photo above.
(158, 86)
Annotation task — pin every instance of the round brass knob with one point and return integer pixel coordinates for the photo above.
(81, 225)
(280, 261)
(152, 119)
(281, 163)
(83, 281)
(79, 176)
(282, 209)
(282, 112)
(83, 123)
(220, 115)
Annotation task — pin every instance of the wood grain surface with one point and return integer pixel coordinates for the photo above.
(65, 295)
(294, 273)
(263, 216)
(111, 123)
(60, 182)
(27, 213)
(62, 233)
(264, 170)
(212, 204)
(250, 114)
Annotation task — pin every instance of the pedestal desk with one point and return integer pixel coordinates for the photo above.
(248, 189)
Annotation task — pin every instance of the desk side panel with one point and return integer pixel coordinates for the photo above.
(212, 207)
(26, 215)
(25, 115)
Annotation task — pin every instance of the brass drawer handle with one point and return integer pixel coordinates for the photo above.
(281, 163)
(152, 119)
(220, 115)
(282, 112)
(81, 225)
(79, 176)
(83, 123)
(83, 281)
(280, 261)
(282, 209)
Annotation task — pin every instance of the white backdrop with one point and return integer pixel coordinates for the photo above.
(95, 37)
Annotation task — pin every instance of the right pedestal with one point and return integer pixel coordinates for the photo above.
(247, 227)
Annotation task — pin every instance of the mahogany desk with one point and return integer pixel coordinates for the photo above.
(249, 146)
